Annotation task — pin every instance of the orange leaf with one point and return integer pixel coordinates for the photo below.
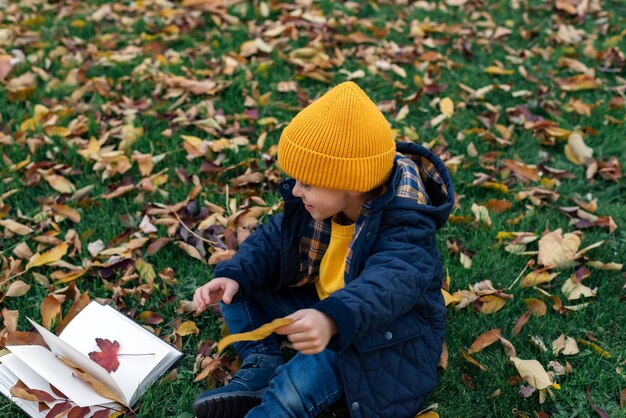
(50, 309)
(484, 340)
(473, 361)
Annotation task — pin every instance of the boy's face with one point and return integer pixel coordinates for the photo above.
(324, 203)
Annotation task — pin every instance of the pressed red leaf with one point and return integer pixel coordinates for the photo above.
(78, 412)
(41, 395)
(58, 410)
(107, 358)
(101, 414)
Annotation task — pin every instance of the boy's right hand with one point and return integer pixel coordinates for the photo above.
(219, 289)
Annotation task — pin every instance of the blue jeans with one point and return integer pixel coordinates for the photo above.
(306, 384)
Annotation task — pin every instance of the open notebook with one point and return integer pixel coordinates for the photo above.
(39, 367)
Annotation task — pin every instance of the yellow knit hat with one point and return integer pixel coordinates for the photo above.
(340, 141)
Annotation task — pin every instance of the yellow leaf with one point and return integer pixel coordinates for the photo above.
(254, 335)
(502, 188)
(535, 278)
(428, 414)
(61, 131)
(67, 277)
(491, 304)
(448, 298)
(194, 141)
(596, 348)
(55, 254)
(186, 328)
(446, 106)
(557, 132)
(29, 124)
(78, 23)
(495, 70)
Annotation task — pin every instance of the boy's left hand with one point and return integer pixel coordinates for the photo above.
(310, 331)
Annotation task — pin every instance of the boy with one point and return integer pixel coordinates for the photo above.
(352, 260)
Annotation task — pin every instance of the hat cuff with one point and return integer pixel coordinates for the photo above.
(359, 174)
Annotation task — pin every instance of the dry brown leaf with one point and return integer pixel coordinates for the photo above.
(577, 151)
(557, 250)
(564, 345)
(254, 335)
(17, 288)
(15, 227)
(573, 290)
(22, 251)
(67, 212)
(50, 309)
(533, 372)
(10, 319)
(60, 183)
(485, 340)
(490, 304)
(190, 250)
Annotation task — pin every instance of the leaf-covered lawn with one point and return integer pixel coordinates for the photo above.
(138, 144)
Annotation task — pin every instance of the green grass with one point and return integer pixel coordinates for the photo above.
(203, 41)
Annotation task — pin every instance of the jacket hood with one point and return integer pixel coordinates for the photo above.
(426, 183)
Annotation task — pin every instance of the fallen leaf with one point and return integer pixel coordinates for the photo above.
(55, 254)
(473, 361)
(15, 227)
(533, 373)
(577, 151)
(557, 250)
(17, 288)
(446, 106)
(484, 340)
(187, 328)
(50, 309)
(564, 345)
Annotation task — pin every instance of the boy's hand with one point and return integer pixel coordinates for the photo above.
(219, 289)
(310, 331)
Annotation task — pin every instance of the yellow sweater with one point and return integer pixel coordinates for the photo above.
(334, 260)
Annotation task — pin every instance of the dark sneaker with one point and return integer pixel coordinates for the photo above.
(244, 391)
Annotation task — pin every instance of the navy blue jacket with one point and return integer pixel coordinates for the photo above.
(390, 315)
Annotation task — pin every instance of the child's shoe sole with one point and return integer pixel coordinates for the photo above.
(227, 405)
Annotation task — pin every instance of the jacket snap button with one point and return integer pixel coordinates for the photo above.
(368, 236)
(388, 335)
(285, 186)
(355, 406)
